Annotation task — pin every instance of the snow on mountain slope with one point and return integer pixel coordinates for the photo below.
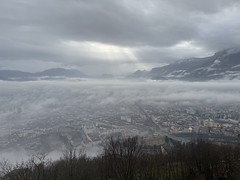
(222, 65)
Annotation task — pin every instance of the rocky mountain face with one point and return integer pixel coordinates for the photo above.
(222, 65)
(47, 74)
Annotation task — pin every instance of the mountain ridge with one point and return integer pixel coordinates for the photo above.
(49, 73)
(222, 65)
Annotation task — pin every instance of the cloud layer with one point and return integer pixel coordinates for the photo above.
(115, 36)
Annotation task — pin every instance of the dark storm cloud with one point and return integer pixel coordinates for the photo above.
(154, 31)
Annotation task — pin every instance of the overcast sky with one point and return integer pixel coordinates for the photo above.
(113, 36)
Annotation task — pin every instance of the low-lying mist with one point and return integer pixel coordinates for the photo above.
(56, 105)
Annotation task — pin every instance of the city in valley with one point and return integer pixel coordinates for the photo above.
(49, 117)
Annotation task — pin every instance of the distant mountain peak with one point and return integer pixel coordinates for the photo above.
(49, 73)
(61, 72)
(224, 64)
(139, 74)
(227, 52)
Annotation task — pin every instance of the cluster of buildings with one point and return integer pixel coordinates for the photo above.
(79, 127)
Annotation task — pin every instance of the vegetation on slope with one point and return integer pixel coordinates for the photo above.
(128, 159)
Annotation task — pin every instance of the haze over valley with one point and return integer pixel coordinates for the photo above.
(49, 116)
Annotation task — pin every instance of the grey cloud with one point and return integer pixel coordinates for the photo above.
(31, 29)
(204, 6)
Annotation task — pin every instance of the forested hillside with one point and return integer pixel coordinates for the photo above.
(129, 159)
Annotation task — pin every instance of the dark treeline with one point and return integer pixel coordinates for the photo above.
(128, 159)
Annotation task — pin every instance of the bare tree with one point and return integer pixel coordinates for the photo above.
(120, 157)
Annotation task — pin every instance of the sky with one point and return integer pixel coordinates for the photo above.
(113, 36)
